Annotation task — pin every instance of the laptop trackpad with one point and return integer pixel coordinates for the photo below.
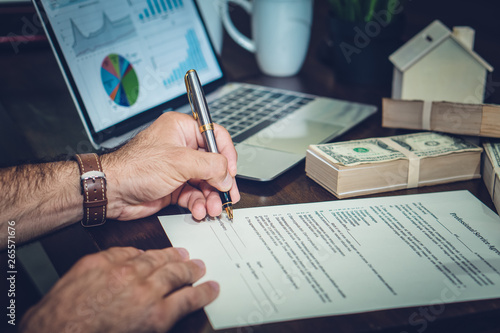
(294, 136)
(263, 164)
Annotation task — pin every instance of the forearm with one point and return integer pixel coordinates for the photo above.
(150, 172)
(39, 198)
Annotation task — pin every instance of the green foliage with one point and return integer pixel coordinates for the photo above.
(363, 10)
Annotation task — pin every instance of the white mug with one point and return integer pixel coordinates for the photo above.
(210, 12)
(280, 32)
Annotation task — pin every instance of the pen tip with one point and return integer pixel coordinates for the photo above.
(229, 212)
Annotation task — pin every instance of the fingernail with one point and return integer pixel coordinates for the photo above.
(199, 263)
(183, 253)
(214, 285)
(227, 183)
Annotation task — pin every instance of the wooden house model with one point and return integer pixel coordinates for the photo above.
(440, 65)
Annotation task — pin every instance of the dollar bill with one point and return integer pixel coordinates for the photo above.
(374, 150)
(429, 144)
(358, 152)
(492, 149)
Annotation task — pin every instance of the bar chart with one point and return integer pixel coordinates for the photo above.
(156, 8)
(193, 60)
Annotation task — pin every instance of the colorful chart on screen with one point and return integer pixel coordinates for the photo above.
(120, 80)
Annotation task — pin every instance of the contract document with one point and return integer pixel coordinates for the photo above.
(297, 261)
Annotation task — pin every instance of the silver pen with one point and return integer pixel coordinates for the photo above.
(201, 113)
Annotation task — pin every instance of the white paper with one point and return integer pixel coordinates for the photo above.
(307, 260)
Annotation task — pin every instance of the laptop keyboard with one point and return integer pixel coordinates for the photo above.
(246, 110)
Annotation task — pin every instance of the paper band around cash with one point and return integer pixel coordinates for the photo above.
(426, 115)
(413, 162)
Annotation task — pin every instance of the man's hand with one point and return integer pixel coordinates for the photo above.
(167, 164)
(123, 290)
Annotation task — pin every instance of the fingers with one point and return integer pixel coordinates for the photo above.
(202, 199)
(115, 255)
(226, 148)
(134, 301)
(210, 167)
(174, 280)
(189, 299)
(235, 193)
(176, 275)
(152, 260)
(199, 165)
(120, 254)
(223, 138)
(189, 162)
(210, 205)
(189, 135)
(193, 199)
(167, 269)
(213, 202)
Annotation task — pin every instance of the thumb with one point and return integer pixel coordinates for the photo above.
(211, 167)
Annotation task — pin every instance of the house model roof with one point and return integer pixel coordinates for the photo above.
(424, 42)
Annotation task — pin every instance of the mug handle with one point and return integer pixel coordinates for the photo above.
(237, 36)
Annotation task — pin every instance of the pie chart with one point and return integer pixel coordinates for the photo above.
(120, 80)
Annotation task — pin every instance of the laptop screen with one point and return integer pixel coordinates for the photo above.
(122, 58)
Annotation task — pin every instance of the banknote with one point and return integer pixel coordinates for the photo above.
(358, 152)
(492, 149)
(375, 150)
(433, 144)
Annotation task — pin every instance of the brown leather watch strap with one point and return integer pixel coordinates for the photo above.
(93, 183)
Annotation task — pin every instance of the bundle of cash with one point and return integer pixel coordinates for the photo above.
(491, 170)
(447, 117)
(361, 167)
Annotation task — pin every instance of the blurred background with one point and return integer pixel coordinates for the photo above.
(39, 121)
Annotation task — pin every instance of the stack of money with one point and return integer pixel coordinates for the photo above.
(361, 167)
(491, 170)
(447, 117)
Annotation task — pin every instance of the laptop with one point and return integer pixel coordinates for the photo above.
(124, 63)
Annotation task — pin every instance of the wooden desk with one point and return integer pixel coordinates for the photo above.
(66, 246)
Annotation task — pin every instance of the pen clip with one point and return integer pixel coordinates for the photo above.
(189, 93)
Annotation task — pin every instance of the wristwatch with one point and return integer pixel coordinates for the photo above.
(93, 183)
